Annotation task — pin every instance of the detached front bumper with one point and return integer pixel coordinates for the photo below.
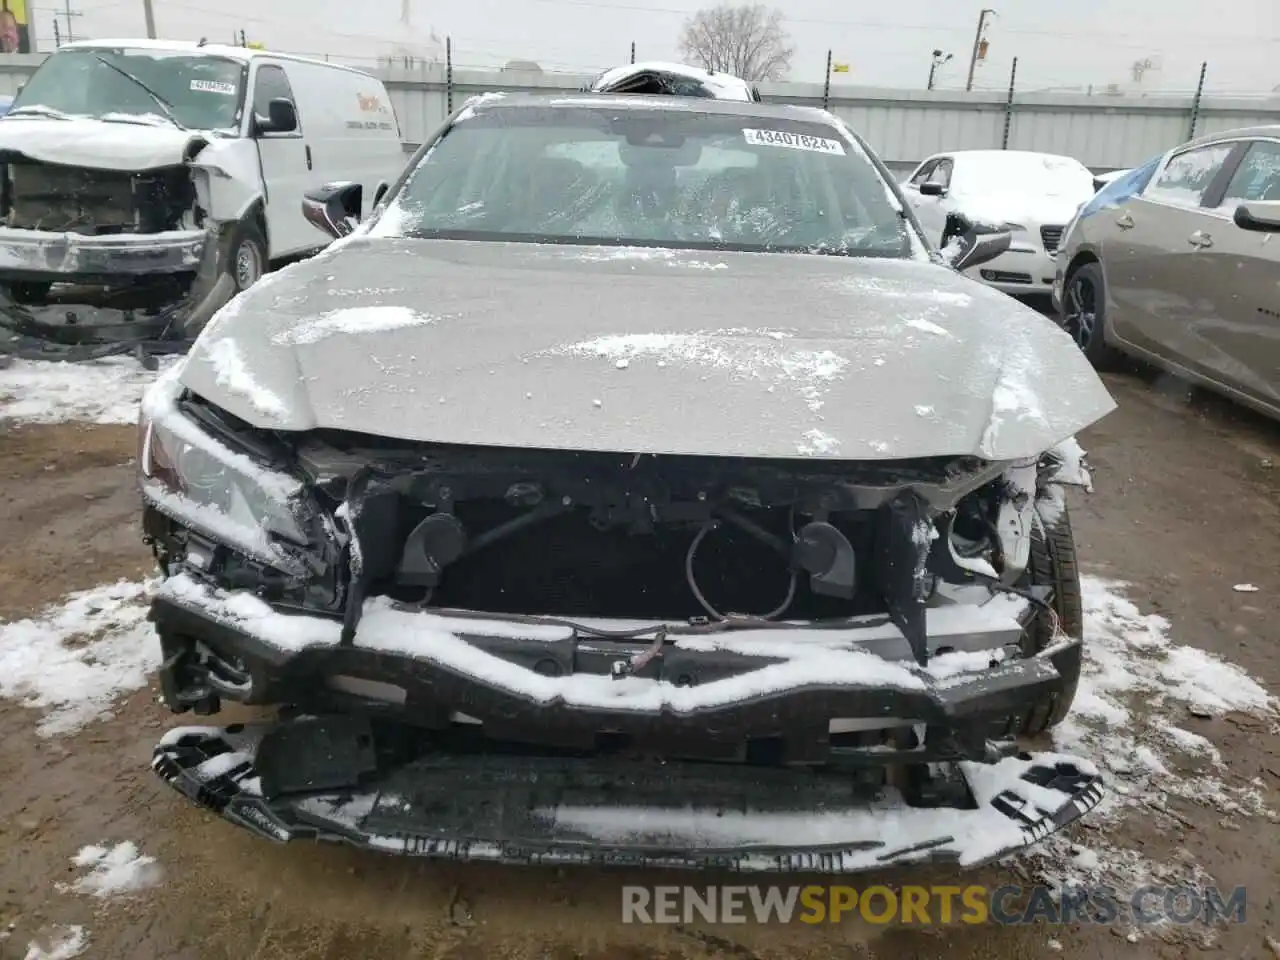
(707, 696)
(41, 255)
(320, 778)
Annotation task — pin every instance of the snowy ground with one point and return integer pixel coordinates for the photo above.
(103, 391)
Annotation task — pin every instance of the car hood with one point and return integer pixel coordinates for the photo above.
(1055, 209)
(98, 144)
(645, 351)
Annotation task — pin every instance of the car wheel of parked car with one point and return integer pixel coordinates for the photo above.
(1053, 564)
(247, 261)
(1084, 313)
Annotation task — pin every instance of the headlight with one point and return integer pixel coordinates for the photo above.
(202, 483)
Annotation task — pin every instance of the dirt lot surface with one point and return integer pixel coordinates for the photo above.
(1187, 504)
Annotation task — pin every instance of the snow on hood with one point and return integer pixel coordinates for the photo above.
(1016, 187)
(98, 144)
(527, 345)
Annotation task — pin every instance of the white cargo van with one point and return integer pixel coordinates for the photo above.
(143, 182)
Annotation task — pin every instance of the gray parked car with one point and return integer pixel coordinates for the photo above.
(1173, 263)
(640, 485)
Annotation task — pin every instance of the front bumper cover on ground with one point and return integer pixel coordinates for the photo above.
(322, 778)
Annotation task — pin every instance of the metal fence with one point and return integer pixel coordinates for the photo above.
(904, 126)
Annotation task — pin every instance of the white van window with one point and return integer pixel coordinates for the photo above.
(272, 84)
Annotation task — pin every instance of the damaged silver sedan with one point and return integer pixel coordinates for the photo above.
(638, 484)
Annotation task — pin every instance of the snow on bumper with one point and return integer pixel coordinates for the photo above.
(550, 810)
(506, 674)
(30, 253)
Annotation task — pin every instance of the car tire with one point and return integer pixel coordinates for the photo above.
(246, 255)
(1053, 564)
(1084, 314)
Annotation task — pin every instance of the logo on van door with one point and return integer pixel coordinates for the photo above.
(371, 104)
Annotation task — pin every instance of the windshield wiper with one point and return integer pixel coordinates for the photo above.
(37, 111)
(161, 102)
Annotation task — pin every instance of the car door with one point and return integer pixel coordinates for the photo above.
(285, 161)
(1154, 300)
(1242, 278)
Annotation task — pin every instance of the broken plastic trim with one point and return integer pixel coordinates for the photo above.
(323, 779)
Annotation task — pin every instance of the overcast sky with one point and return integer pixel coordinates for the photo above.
(1058, 44)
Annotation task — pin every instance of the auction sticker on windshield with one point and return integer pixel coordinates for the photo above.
(214, 86)
(796, 141)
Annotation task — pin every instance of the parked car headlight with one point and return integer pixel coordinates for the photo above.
(202, 483)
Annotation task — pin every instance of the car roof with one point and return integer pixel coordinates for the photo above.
(243, 54)
(724, 85)
(989, 154)
(1265, 130)
(640, 101)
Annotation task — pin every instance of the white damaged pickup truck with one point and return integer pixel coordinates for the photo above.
(144, 183)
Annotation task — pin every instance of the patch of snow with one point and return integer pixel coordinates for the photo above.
(115, 871)
(911, 291)
(469, 108)
(353, 320)
(928, 326)
(604, 254)
(1135, 690)
(818, 444)
(100, 391)
(75, 658)
(742, 351)
(923, 411)
(1245, 588)
(233, 375)
(64, 943)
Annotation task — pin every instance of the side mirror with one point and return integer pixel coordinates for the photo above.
(282, 117)
(1258, 216)
(932, 188)
(21, 87)
(379, 193)
(334, 207)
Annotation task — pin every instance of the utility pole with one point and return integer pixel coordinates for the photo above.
(57, 39)
(151, 19)
(939, 58)
(68, 13)
(977, 43)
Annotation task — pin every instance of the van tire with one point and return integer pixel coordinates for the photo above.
(246, 255)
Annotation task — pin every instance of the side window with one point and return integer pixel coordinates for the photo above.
(1257, 177)
(943, 174)
(1188, 175)
(921, 175)
(270, 84)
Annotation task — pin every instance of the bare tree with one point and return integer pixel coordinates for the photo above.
(746, 41)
